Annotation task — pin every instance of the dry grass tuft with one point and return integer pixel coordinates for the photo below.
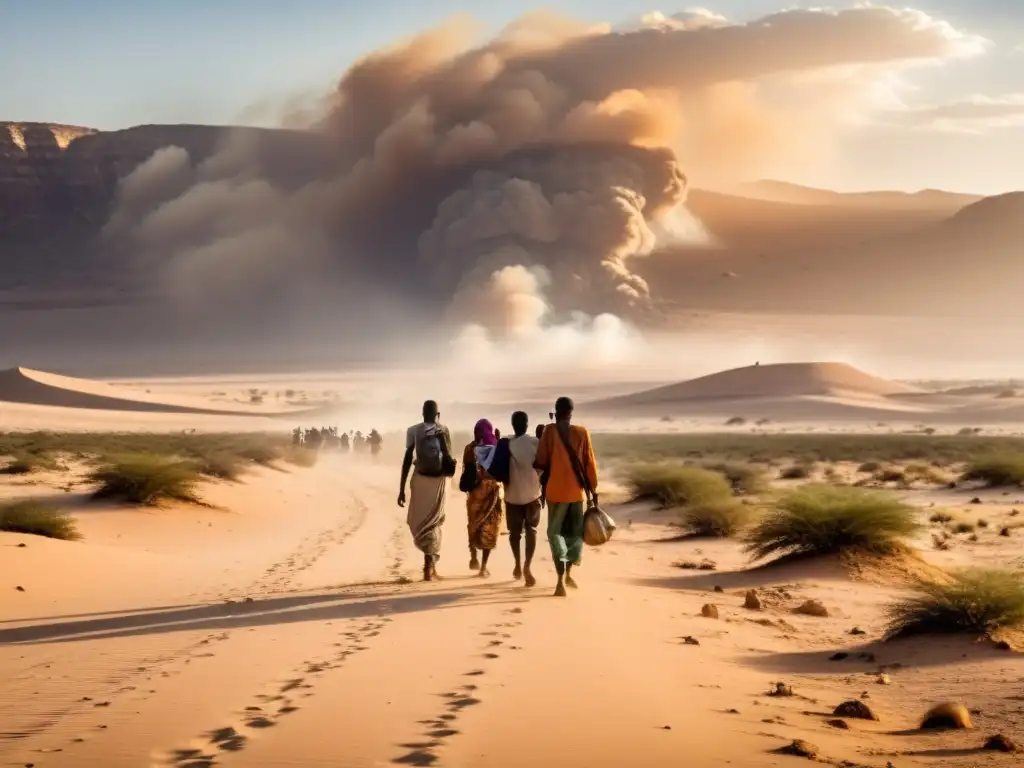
(37, 519)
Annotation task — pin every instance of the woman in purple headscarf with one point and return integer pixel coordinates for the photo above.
(483, 500)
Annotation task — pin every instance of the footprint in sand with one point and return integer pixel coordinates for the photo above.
(260, 722)
(228, 739)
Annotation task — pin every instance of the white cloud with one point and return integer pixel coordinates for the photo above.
(975, 114)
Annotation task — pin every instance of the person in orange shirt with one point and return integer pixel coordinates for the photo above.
(568, 480)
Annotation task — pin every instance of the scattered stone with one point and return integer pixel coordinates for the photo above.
(800, 748)
(752, 602)
(1002, 645)
(19, 589)
(1005, 532)
(856, 631)
(22, 545)
(666, 727)
(248, 600)
(840, 656)
(975, 500)
(855, 709)
(868, 657)
(837, 723)
(709, 611)
(688, 640)
(1014, 512)
(781, 689)
(732, 711)
(883, 679)
(1001, 743)
(718, 588)
(813, 608)
(947, 716)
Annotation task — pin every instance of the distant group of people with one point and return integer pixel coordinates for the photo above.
(329, 438)
(514, 477)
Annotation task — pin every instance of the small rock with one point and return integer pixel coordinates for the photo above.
(840, 656)
(856, 631)
(1004, 532)
(855, 709)
(709, 611)
(22, 545)
(946, 716)
(20, 589)
(690, 640)
(975, 500)
(781, 689)
(883, 679)
(841, 724)
(800, 748)
(1001, 743)
(248, 600)
(1002, 645)
(666, 727)
(732, 711)
(718, 589)
(813, 608)
(752, 601)
(868, 657)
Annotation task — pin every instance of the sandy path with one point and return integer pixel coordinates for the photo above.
(335, 662)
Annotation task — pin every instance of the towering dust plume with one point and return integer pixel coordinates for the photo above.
(518, 180)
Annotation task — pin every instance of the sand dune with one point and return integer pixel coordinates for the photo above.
(779, 380)
(30, 387)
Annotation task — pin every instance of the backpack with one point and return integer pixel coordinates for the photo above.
(501, 464)
(431, 452)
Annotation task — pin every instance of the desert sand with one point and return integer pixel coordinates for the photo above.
(284, 626)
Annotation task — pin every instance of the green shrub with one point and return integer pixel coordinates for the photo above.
(721, 518)
(673, 485)
(260, 453)
(976, 600)
(145, 479)
(827, 519)
(220, 464)
(997, 470)
(744, 479)
(37, 519)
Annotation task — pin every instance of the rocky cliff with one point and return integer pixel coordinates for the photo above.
(57, 184)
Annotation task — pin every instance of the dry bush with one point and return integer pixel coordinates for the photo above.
(996, 470)
(976, 600)
(145, 479)
(673, 485)
(744, 479)
(26, 463)
(37, 519)
(796, 472)
(722, 518)
(827, 519)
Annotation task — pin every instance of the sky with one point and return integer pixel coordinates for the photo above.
(110, 64)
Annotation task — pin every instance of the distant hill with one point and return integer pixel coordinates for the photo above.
(770, 381)
(785, 192)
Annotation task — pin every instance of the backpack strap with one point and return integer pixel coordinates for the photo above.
(577, 467)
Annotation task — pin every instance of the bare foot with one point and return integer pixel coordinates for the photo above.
(434, 576)
(474, 564)
(571, 583)
(530, 581)
(517, 574)
(560, 590)
(484, 573)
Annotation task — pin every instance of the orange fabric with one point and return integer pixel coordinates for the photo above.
(563, 487)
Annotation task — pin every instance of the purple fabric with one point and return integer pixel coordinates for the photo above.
(483, 433)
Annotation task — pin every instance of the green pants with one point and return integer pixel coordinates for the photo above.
(565, 533)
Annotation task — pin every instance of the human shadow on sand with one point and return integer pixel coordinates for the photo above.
(273, 611)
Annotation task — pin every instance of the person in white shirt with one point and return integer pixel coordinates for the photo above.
(522, 495)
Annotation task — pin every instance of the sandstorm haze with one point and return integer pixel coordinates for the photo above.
(560, 193)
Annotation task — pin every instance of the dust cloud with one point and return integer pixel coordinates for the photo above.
(511, 185)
